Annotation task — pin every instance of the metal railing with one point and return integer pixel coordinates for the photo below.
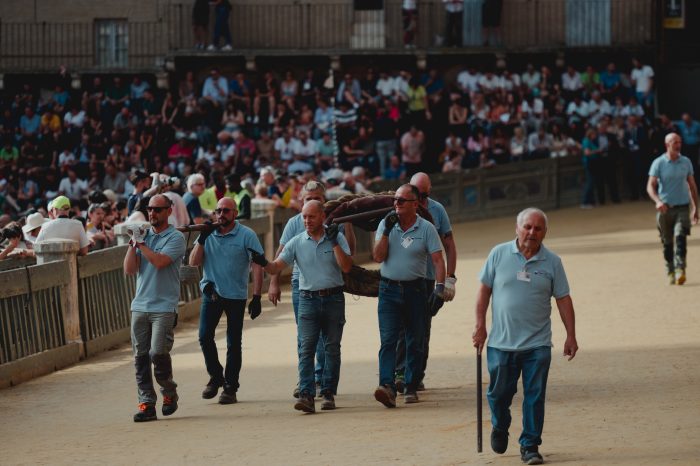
(31, 310)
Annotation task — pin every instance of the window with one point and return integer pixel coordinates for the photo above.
(112, 43)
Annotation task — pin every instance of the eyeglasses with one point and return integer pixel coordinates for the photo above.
(155, 208)
(223, 210)
(402, 201)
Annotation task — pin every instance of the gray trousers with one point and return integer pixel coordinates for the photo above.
(152, 339)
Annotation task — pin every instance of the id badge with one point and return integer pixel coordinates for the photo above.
(406, 242)
(523, 276)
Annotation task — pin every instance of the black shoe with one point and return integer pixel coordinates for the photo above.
(410, 397)
(531, 455)
(328, 402)
(295, 394)
(146, 413)
(211, 389)
(420, 387)
(399, 382)
(228, 396)
(169, 404)
(305, 403)
(499, 441)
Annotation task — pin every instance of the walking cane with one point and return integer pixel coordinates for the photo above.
(479, 433)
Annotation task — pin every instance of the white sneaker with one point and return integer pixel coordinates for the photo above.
(226, 48)
(211, 48)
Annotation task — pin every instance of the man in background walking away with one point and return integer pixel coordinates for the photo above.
(442, 224)
(224, 254)
(521, 276)
(155, 259)
(672, 187)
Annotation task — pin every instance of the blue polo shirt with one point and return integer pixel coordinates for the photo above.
(409, 250)
(159, 290)
(317, 265)
(673, 178)
(294, 226)
(521, 296)
(442, 224)
(227, 261)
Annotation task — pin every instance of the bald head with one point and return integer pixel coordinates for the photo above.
(421, 181)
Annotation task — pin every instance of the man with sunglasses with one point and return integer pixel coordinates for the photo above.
(224, 254)
(442, 224)
(321, 254)
(155, 259)
(312, 191)
(404, 243)
(62, 227)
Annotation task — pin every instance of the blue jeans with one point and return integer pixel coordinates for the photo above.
(221, 27)
(320, 355)
(505, 368)
(385, 149)
(320, 314)
(209, 317)
(402, 306)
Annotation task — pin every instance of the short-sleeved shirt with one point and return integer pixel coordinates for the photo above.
(442, 224)
(409, 251)
(64, 228)
(227, 261)
(318, 268)
(294, 226)
(673, 178)
(194, 208)
(158, 290)
(522, 309)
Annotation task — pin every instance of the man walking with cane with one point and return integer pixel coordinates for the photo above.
(224, 254)
(522, 276)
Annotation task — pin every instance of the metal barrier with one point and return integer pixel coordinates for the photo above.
(31, 310)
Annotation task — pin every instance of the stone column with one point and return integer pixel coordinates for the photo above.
(262, 208)
(67, 250)
(121, 234)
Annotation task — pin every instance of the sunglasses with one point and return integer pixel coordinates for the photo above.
(402, 201)
(223, 210)
(156, 209)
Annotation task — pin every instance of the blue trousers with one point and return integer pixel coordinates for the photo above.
(402, 306)
(320, 354)
(221, 27)
(320, 314)
(505, 368)
(209, 317)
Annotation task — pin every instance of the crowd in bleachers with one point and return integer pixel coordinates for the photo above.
(273, 134)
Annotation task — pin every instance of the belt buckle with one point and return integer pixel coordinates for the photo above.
(323, 292)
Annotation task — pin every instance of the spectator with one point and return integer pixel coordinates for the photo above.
(215, 90)
(396, 170)
(32, 227)
(409, 15)
(222, 9)
(412, 149)
(491, 22)
(114, 179)
(453, 22)
(97, 232)
(200, 23)
(61, 227)
(539, 144)
(643, 80)
(195, 188)
(71, 186)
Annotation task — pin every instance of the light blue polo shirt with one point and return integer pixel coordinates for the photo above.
(673, 178)
(294, 226)
(159, 290)
(318, 268)
(227, 261)
(522, 309)
(442, 224)
(409, 250)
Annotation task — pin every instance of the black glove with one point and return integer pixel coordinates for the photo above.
(435, 300)
(390, 220)
(210, 291)
(258, 258)
(254, 306)
(204, 234)
(332, 233)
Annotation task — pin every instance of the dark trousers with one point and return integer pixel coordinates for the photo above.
(453, 29)
(221, 27)
(401, 344)
(209, 317)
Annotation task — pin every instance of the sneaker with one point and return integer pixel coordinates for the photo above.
(328, 402)
(305, 403)
(499, 441)
(211, 48)
(169, 404)
(680, 276)
(385, 396)
(146, 413)
(400, 383)
(671, 278)
(228, 396)
(530, 455)
(226, 48)
(211, 389)
(420, 387)
(410, 397)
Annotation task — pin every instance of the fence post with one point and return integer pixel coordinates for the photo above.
(261, 208)
(64, 249)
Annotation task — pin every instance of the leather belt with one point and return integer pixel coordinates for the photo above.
(416, 281)
(324, 292)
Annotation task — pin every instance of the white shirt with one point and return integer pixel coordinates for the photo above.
(531, 80)
(468, 81)
(386, 86)
(73, 190)
(597, 110)
(453, 6)
(571, 83)
(642, 78)
(285, 148)
(307, 150)
(489, 84)
(64, 228)
(77, 120)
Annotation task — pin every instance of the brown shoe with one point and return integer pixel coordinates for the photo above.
(385, 396)
(410, 397)
(328, 402)
(305, 403)
(227, 397)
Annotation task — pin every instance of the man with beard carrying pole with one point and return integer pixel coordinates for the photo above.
(224, 253)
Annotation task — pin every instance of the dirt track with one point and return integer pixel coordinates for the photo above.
(629, 397)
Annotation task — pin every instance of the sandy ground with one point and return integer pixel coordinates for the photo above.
(630, 397)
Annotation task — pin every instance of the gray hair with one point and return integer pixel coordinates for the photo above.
(531, 210)
(194, 178)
